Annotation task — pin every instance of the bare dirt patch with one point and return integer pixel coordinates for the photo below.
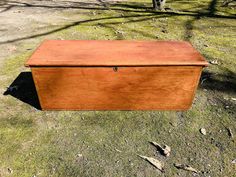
(22, 21)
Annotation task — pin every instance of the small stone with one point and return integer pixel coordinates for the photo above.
(9, 170)
(166, 150)
(226, 107)
(164, 31)
(203, 131)
(234, 161)
(79, 155)
(191, 159)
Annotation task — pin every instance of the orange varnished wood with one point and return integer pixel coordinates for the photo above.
(128, 88)
(115, 53)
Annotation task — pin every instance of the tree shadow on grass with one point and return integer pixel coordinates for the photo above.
(138, 10)
(189, 25)
(219, 82)
(23, 88)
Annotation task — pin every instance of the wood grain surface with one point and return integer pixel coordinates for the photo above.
(124, 88)
(115, 53)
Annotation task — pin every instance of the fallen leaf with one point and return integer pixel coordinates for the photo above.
(12, 88)
(203, 131)
(186, 167)
(226, 98)
(203, 80)
(165, 150)
(230, 133)
(155, 144)
(214, 62)
(156, 163)
(118, 150)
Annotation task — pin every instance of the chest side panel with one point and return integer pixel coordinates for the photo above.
(127, 88)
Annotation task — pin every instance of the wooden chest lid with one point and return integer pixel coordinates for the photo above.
(115, 53)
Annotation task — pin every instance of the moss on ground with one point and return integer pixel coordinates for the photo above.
(106, 143)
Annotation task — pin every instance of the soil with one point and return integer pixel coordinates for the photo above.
(24, 21)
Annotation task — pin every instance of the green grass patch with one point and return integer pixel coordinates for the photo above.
(106, 143)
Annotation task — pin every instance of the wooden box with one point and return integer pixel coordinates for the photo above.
(116, 75)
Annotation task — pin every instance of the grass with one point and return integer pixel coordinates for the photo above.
(106, 143)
